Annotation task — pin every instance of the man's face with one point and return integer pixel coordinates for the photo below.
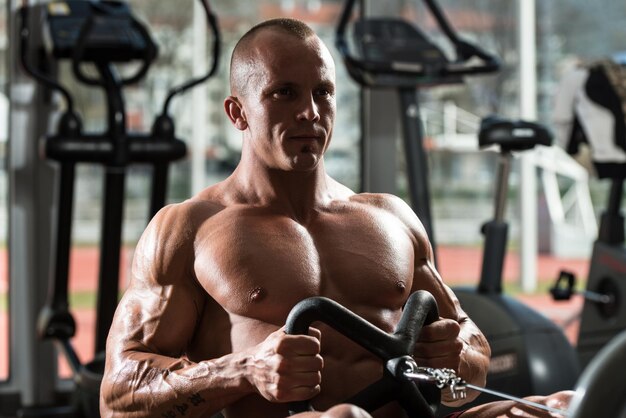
(289, 103)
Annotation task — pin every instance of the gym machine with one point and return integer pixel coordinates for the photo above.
(104, 34)
(601, 321)
(419, 400)
(530, 354)
(418, 389)
(394, 54)
(603, 316)
(597, 120)
(600, 389)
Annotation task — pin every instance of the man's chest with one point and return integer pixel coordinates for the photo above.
(266, 263)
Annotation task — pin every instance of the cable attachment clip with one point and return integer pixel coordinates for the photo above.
(444, 378)
(406, 367)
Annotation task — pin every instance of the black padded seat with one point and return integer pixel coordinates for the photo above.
(512, 135)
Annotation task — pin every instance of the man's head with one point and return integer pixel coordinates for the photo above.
(241, 66)
(283, 94)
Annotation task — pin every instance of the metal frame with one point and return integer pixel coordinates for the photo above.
(33, 372)
(381, 128)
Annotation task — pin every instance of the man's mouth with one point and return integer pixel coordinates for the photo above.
(311, 134)
(305, 137)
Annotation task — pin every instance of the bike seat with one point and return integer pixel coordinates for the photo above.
(512, 135)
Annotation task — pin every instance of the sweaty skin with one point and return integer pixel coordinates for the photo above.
(199, 329)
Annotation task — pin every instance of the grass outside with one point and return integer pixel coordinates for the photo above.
(543, 287)
(78, 300)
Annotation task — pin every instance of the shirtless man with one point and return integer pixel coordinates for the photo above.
(199, 329)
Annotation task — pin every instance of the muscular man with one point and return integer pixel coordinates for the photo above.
(199, 329)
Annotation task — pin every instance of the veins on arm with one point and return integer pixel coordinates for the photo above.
(147, 371)
(474, 359)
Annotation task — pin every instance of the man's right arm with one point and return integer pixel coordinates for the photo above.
(147, 373)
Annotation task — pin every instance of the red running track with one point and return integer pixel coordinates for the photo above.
(458, 266)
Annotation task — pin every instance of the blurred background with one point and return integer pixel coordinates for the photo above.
(568, 33)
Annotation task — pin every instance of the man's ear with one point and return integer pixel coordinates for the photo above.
(236, 114)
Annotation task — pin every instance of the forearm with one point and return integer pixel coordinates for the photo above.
(148, 385)
(474, 361)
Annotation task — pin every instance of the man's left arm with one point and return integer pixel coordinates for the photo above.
(454, 341)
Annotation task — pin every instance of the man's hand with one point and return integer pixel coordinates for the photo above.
(286, 368)
(439, 345)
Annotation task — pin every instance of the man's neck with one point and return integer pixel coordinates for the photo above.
(296, 193)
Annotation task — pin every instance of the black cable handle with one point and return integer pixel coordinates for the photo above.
(420, 309)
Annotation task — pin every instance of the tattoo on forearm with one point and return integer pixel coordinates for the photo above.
(181, 409)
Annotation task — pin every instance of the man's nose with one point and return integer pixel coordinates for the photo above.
(308, 109)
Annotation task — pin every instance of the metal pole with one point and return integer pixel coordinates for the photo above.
(113, 207)
(528, 181)
(199, 99)
(416, 160)
(380, 125)
(30, 233)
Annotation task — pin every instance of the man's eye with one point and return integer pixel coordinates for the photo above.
(324, 92)
(282, 92)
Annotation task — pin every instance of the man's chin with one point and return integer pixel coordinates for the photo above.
(305, 162)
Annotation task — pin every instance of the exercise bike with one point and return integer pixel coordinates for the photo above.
(530, 354)
(104, 34)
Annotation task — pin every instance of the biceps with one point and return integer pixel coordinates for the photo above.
(161, 320)
(427, 278)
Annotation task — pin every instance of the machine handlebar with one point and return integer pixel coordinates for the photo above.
(420, 309)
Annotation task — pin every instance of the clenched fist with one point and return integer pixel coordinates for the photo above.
(439, 345)
(286, 368)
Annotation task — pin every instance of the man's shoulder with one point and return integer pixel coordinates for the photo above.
(391, 204)
(183, 218)
(173, 231)
(380, 200)
(188, 212)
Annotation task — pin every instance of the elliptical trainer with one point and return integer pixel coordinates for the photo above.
(105, 34)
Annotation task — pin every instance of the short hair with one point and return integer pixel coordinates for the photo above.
(294, 27)
(290, 26)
